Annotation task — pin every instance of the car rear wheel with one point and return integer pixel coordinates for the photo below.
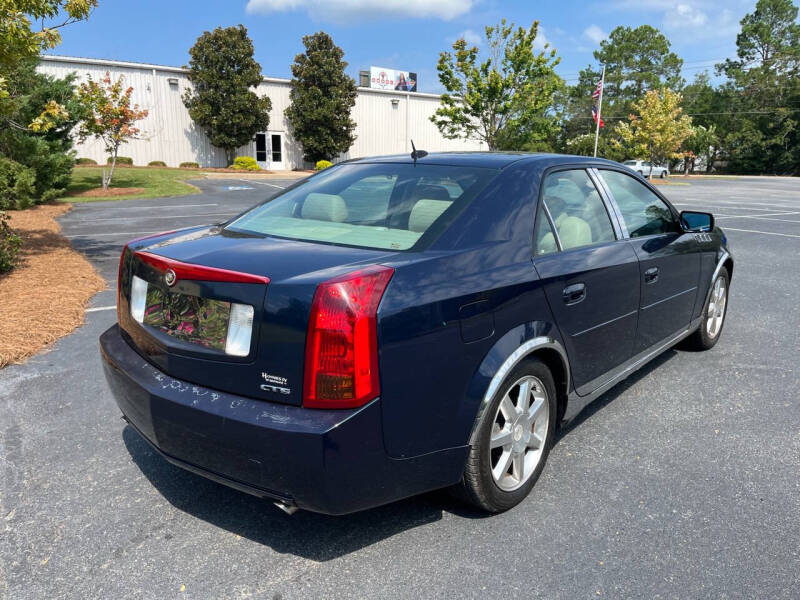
(714, 313)
(513, 439)
(663, 175)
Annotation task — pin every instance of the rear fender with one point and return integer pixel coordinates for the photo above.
(516, 345)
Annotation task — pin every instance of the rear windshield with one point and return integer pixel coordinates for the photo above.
(380, 206)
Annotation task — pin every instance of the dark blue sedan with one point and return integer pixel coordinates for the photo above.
(400, 324)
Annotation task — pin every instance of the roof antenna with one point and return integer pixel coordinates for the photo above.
(417, 153)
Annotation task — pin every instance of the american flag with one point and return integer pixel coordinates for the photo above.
(595, 97)
(597, 90)
(594, 116)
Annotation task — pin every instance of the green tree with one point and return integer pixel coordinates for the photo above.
(21, 39)
(636, 60)
(109, 116)
(45, 147)
(657, 129)
(223, 72)
(502, 97)
(765, 79)
(322, 97)
(702, 144)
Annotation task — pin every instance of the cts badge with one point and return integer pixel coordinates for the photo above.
(170, 278)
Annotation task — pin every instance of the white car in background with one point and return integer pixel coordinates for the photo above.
(643, 168)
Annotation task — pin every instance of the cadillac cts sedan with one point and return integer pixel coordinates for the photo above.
(399, 324)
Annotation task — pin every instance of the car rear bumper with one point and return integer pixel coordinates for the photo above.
(330, 461)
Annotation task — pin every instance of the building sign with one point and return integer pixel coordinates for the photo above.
(390, 79)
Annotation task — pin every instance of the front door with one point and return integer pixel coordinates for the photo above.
(669, 260)
(590, 277)
(269, 151)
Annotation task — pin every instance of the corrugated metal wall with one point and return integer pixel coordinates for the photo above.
(385, 120)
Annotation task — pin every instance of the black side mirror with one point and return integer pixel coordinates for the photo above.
(695, 222)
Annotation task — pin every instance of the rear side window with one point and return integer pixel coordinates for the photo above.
(381, 206)
(644, 213)
(578, 212)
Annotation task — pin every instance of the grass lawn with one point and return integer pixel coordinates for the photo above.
(156, 182)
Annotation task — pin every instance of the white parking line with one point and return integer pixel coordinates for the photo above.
(107, 234)
(763, 232)
(152, 206)
(100, 308)
(736, 206)
(780, 214)
(150, 218)
(280, 187)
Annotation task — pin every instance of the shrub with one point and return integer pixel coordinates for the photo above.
(121, 160)
(86, 161)
(323, 164)
(156, 163)
(189, 165)
(10, 243)
(245, 163)
(17, 184)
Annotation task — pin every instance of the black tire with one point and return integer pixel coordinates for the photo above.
(663, 175)
(478, 486)
(701, 339)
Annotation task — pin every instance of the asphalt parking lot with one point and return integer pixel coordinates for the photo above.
(682, 482)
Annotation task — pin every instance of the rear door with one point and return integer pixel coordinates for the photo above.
(590, 275)
(669, 259)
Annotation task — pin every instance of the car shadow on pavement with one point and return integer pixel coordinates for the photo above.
(616, 391)
(310, 535)
(305, 534)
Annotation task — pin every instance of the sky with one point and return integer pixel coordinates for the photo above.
(399, 34)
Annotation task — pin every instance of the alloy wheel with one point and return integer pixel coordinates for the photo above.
(716, 307)
(518, 433)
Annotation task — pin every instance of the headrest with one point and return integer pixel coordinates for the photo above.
(324, 207)
(432, 192)
(425, 212)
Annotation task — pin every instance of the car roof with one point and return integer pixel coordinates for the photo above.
(490, 160)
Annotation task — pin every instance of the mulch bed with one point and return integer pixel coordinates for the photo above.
(45, 296)
(109, 193)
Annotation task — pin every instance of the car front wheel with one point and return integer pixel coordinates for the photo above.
(714, 314)
(513, 440)
(663, 175)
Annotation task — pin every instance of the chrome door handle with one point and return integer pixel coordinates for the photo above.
(574, 293)
(651, 275)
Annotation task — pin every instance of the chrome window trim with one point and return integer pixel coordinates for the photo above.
(552, 226)
(512, 361)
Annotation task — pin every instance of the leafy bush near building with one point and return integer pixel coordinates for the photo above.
(323, 164)
(35, 124)
(121, 160)
(17, 185)
(189, 165)
(156, 163)
(85, 161)
(10, 244)
(245, 163)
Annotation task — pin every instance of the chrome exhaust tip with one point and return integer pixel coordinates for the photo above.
(289, 509)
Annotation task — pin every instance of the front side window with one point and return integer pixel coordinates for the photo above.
(381, 206)
(577, 210)
(644, 213)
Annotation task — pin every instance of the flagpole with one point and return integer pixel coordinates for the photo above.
(599, 109)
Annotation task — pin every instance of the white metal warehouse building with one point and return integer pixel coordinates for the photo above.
(385, 120)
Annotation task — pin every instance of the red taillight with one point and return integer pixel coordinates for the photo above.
(341, 369)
